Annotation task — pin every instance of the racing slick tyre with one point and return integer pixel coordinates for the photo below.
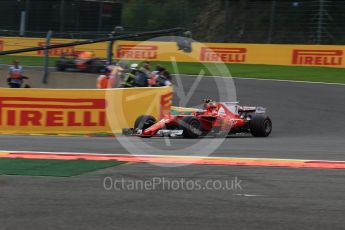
(95, 66)
(260, 125)
(190, 126)
(60, 67)
(144, 122)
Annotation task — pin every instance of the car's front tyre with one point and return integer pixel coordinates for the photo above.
(190, 126)
(144, 122)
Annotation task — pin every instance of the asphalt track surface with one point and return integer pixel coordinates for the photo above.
(308, 122)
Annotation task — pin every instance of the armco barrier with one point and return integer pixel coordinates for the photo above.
(48, 111)
(290, 55)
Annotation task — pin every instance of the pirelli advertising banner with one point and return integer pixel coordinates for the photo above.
(43, 111)
(12, 43)
(291, 55)
(269, 54)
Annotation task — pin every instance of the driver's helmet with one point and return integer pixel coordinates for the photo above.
(210, 104)
(85, 55)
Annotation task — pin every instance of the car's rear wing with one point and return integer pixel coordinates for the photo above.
(235, 107)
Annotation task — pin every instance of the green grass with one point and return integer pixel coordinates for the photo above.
(299, 73)
(27, 60)
(55, 168)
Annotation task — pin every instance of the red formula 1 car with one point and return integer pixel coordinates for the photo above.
(216, 119)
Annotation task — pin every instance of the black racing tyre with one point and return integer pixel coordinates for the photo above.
(260, 125)
(144, 122)
(95, 66)
(190, 126)
(60, 67)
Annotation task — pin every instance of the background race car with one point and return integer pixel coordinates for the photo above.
(84, 62)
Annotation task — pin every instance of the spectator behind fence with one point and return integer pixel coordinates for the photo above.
(15, 78)
(154, 75)
(129, 77)
(115, 76)
(163, 79)
(142, 76)
(103, 81)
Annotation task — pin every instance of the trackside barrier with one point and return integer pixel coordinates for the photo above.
(55, 111)
(270, 54)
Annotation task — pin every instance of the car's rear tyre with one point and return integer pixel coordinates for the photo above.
(144, 122)
(190, 126)
(95, 66)
(260, 125)
(60, 67)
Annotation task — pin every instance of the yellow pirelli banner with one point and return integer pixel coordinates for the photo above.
(12, 43)
(269, 54)
(49, 111)
(291, 55)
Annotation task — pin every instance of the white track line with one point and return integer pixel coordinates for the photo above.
(267, 79)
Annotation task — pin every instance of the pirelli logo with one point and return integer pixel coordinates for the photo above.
(52, 112)
(222, 54)
(317, 57)
(1, 45)
(148, 52)
(57, 51)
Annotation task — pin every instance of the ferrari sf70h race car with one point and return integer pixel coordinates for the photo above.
(215, 119)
